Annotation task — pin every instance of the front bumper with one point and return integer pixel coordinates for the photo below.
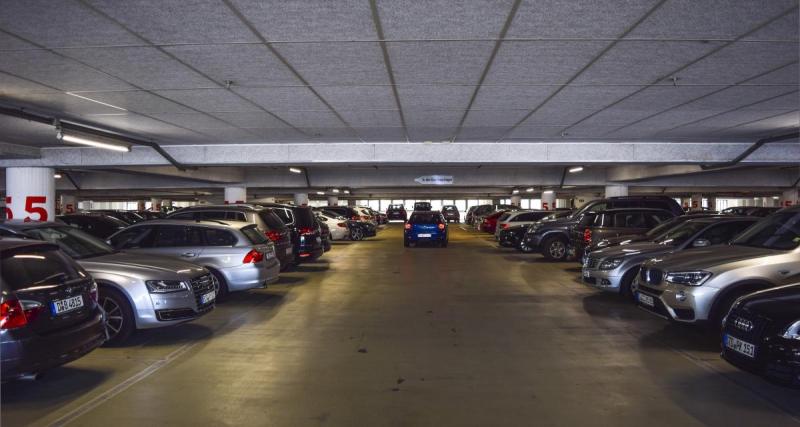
(605, 280)
(153, 310)
(685, 304)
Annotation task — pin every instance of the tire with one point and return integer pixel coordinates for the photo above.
(222, 286)
(406, 243)
(721, 308)
(626, 282)
(522, 247)
(120, 323)
(554, 248)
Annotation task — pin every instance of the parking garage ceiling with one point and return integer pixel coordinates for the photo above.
(247, 71)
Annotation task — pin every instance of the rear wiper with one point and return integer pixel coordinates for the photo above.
(52, 276)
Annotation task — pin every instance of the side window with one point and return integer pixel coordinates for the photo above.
(133, 238)
(215, 215)
(656, 218)
(629, 220)
(215, 237)
(723, 233)
(177, 235)
(184, 215)
(236, 216)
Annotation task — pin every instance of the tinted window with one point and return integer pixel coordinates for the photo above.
(504, 217)
(27, 267)
(74, 242)
(449, 209)
(254, 235)
(177, 235)
(132, 238)
(184, 215)
(723, 233)
(284, 215)
(777, 231)
(396, 207)
(655, 218)
(425, 218)
(304, 217)
(629, 220)
(271, 219)
(216, 237)
(681, 233)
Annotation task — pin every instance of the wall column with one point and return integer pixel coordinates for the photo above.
(696, 202)
(155, 204)
(789, 197)
(235, 195)
(549, 200)
(30, 194)
(516, 200)
(69, 205)
(301, 199)
(616, 190)
(333, 200)
(712, 203)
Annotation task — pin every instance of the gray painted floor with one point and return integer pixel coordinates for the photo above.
(375, 334)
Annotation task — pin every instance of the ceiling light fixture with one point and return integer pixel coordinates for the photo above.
(529, 190)
(575, 169)
(334, 190)
(295, 170)
(346, 191)
(61, 136)
(515, 191)
(57, 176)
(321, 193)
(776, 197)
(547, 192)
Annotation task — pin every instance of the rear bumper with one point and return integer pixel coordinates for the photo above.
(414, 237)
(36, 353)
(249, 276)
(285, 253)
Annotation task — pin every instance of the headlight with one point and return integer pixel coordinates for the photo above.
(165, 286)
(793, 331)
(688, 278)
(610, 264)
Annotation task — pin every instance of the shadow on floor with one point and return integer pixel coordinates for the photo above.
(59, 385)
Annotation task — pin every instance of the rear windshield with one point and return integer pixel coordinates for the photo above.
(304, 217)
(272, 220)
(504, 217)
(35, 266)
(284, 215)
(449, 208)
(254, 235)
(425, 218)
(396, 207)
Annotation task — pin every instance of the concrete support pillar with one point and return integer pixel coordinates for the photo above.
(696, 202)
(616, 190)
(516, 200)
(69, 205)
(333, 200)
(155, 204)
(140, 205)
(767, 201)
(235, 195)
(301, 199)
(712, 203)
(351, 202)
(549, 200)
(30, 194)
(790, 197)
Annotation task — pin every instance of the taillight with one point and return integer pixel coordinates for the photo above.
(587, 236)
(366, 217)
(505, 226)
(12, 315)
(407, 226)
(342, 224)
(305, 231)
(273, 235)
(252, 257)
(441, 226)
(356, 217)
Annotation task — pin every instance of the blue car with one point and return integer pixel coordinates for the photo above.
(425, 226)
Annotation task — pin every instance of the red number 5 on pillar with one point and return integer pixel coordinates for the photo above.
(39, 212)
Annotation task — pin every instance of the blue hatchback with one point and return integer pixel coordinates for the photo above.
(425, 226)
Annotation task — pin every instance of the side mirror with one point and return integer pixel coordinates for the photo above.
(108, 242)
(701, 243)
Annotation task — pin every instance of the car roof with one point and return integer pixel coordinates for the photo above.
(18, 225)
(723, 218)
(230, 207)
(631, 209)
(203, 223)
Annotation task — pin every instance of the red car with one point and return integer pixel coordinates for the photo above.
(489, 223)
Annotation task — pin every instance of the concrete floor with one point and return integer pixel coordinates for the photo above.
(376, 334)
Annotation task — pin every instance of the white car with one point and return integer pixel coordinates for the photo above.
(366, 215)
(337, 224)
(509, 219)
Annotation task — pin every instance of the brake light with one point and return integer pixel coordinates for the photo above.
(407, 226)
(505, 226)
(342, 224)
(305, 231)
(441, 226)
(12, 315)
(587, 236)
(273, 235)
(253, 257)
(356, 217)
(366, 217)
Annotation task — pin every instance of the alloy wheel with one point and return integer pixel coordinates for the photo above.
(114, 319)
(557, 249)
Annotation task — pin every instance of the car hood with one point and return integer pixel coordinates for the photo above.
(781, 303)
(142, 266)
(704, 258)
(622, 240)
(632, 249)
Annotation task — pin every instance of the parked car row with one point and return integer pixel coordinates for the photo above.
(65, 291)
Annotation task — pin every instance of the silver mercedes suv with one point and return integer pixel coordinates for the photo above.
(136, 291)
(700, 285)
(237, 253)
(614, 268)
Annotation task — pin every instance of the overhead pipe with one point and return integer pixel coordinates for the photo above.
(751, 149)
(20, 113)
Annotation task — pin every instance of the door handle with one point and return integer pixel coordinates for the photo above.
(188, 254)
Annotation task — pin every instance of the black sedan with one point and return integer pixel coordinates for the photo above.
(762, 334)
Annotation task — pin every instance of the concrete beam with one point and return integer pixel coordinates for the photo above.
(643, 172)
(16, 151)
(223, 175)
(543, 153)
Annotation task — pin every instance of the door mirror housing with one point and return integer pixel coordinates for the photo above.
(701, 243)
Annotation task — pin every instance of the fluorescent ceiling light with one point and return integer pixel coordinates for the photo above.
(776, 197)
(295, 170)
(57, 176)
(346, 191)
(529, 190)
(321, 193)
(93, 143)
(575, 169)
(95, 101)
(547, 192)
(515, 192)
(335, 190)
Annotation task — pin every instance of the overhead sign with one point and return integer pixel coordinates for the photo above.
(434, 180)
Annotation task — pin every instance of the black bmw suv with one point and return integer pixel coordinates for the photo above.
(306, 233)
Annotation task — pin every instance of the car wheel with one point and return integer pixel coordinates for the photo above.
(554, 249)
(119, 315)
(626, 282)
(524, 247)
(222, 286)
(721, 309)
(356, 234)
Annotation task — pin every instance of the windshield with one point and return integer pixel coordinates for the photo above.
(425, 218)
(74, 242)
(778, 231)
(664, 226)
(679, 234)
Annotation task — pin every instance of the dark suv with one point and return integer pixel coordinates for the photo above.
(422, 206)
(552, 238)
(451, 213)
(614, 223)
(48, 309)
(306, 233)
(266, 219)
(396, 212)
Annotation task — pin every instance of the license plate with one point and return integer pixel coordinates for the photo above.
(65, 305)
(586, 273)
(289, 250)
(207, 298)
(646, 300)
(739, 346)
(424, 235)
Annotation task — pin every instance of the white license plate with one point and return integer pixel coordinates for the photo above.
(289, 250)
(65, 305)
(424, 235)
(646, 300)
(207, 298)
(740, 346)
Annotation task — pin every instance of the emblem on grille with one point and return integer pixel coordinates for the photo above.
(743, 324)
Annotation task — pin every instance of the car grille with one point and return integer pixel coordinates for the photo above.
(202, 285)
(651, 276)
(746, 325)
